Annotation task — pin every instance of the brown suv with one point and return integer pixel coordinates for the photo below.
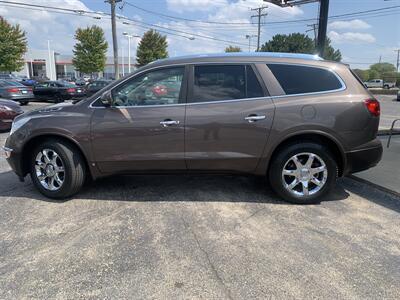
(300, 120)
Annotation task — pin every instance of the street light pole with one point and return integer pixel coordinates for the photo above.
(129, 36)
(49, 54)
(129, 54)
(248, 36)
(123, 61)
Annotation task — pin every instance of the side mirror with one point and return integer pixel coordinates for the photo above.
(106, 99)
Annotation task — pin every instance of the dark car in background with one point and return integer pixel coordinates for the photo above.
(96, 86)
(15, 91)
(8, 111)
(57, 91)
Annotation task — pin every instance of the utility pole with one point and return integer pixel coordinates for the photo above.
(322, 25)
(259, 14)
(380, 58)
(314, 28)
(114, 36)
(398, 59)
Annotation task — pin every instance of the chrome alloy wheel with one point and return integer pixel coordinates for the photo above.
(49, 169)
(304, 174)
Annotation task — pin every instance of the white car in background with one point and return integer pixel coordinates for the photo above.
(379, 83)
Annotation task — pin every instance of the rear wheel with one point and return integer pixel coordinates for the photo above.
(57, 169)
(58, 98)
(303, 173)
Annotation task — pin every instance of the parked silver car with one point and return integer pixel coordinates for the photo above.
(16, 91)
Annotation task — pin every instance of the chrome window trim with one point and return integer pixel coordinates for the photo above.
(344, 87)
(342, 83)
(230, 100)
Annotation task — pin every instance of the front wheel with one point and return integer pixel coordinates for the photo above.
(303, 173)
(57, 169)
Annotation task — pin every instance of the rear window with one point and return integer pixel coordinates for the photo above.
(13, 83)
(295, 79)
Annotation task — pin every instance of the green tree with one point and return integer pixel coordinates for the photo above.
(13, 46)
(151, 47)
(382, 68)
(90, 50)
(233, 49)
(330, 53)
(291, 43)
(299, 43)
(362, 74)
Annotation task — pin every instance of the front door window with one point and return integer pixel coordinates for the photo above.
(160, 87)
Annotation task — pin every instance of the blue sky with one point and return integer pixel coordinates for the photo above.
(362, 39)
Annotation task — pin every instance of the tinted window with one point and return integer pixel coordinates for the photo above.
(254, 89)
(296, 79)
(225, 82)
(153, 88)
(213, 83)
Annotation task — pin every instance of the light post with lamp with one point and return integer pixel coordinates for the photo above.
(249, 36)
(129, 36)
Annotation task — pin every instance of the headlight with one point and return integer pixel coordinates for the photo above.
(18, 124)
(5, 108)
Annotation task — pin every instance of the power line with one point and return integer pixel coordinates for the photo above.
(93, 14)
(180, 18)
(148, 25)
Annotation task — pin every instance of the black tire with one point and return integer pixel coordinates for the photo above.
(23, 103)
(74, 169)
(386, 86)
(278, 163)
(59, 98)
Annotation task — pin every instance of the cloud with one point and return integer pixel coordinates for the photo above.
(41, 25)
(351, 37)
(194, 5)
(352, 24)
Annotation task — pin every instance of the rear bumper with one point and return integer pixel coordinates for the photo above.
(360, 159)
(5, 124)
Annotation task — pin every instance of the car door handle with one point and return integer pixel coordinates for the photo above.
(254, 118)
(169, 122)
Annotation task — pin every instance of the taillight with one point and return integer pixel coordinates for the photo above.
(70, 90)
(373, 107)
(13, 90)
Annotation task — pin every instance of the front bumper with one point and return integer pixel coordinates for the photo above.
(14, 160)
(363, 158)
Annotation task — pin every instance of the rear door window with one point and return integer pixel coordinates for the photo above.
(224, 82)
(296, 79)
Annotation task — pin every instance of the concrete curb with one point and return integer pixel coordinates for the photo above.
(377, 186)
(382, 132)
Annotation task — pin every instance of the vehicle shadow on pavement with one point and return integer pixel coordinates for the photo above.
(373, 194)
(164, 188)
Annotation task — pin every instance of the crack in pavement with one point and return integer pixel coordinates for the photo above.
(210, 263)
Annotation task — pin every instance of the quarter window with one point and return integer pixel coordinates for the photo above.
(224, 82)
(157, 87)
(295, 79)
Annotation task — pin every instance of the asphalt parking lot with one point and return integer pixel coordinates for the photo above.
(196, 237)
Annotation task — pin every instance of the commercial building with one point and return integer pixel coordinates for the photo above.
(53, 65)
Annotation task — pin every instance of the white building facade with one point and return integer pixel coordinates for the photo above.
(54, 66)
